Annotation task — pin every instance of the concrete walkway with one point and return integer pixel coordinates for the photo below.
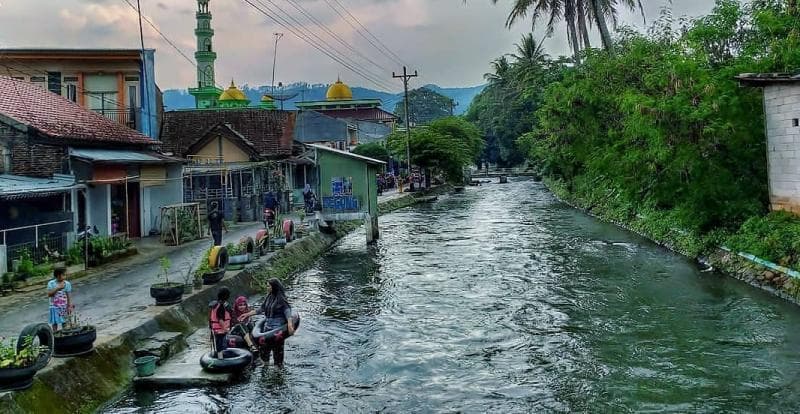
(114, 290)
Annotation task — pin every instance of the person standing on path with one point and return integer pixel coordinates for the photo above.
(216, 223)
(58, 290)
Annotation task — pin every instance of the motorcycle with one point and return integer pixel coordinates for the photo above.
(87, 233)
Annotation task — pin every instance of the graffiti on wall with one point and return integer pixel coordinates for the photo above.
(342, 198)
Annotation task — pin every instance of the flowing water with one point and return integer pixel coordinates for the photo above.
(503, 299)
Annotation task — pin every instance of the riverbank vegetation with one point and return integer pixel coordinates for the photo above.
(655, 131)
(445, 146)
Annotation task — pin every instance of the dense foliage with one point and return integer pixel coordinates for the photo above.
(374, 150)
(657, 126)
(506, 108)
(444, 147)
(424, 106)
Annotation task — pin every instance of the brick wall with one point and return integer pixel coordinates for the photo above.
(29, 157)
(782, 111)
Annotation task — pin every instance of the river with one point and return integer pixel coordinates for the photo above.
(503, 299)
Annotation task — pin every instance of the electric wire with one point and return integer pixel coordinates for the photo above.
(335, 36)
(385, 50)
(352, 64)
(283, 22)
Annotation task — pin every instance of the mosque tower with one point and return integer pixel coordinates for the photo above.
(206, 93)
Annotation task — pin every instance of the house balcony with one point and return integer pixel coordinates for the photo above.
(128, 117)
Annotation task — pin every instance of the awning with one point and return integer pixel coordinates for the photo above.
(121, 156)
(18, 186)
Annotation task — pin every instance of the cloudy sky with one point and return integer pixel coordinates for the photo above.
(449, 42)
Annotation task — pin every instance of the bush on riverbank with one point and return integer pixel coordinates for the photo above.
(659, 136)
(774, 237)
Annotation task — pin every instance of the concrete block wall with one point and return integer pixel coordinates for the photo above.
(782, 116)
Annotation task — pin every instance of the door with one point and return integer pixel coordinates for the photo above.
(134, 222)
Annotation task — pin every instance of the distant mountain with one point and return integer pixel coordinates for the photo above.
(180, 98)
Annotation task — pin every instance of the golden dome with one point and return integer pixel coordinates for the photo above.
(339, 92)
(232, 94)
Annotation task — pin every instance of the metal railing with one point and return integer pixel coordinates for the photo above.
(125, 117)
(44, 242)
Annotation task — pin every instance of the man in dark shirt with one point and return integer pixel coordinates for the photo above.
(216, 223)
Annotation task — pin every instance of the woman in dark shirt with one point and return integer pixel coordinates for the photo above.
(277, 312)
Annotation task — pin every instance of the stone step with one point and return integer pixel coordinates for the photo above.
(162, 344)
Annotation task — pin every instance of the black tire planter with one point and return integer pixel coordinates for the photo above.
(20, 378)
(213, 277)
(167, 293)
(14, 379)
(235, 360)
(44, 333)
(76, 342)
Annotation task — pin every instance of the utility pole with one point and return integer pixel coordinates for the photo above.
(278, 36)
(406, 77)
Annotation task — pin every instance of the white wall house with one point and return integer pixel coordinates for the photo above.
(782, 127)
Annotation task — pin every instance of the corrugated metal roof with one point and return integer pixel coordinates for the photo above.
(16, 184)
(104, 155)
(313, 126)
(347, 154)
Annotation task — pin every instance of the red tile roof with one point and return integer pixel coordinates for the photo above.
(269, 132)
(57, 117)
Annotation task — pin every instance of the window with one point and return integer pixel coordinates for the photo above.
(72, 92)
(131, 79)
(132, 92)
(70, 78)
(795, 122)
(54, 82)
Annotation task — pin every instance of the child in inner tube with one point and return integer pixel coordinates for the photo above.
(242, 322)
(220, 320)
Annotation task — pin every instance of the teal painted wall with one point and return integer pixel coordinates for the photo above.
(363, 179)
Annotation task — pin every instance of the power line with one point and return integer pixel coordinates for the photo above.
(384, 50)
(375, 78)
(285, 24)
(338, 38)
(167, 39)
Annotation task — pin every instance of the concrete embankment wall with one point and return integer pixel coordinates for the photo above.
(82, 384)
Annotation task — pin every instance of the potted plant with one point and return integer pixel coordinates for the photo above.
(166, 293)
(76, 337)
(212, 265)
(20, 359)
(242, 252)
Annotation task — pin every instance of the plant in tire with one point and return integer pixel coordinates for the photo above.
(10, 357)
(166, 292)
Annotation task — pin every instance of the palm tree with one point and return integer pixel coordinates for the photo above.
(529, 51)
(501, 69)
(575, 13)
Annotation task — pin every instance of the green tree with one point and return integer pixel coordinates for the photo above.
(424, 106)
(373, 150)
(445, 146)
